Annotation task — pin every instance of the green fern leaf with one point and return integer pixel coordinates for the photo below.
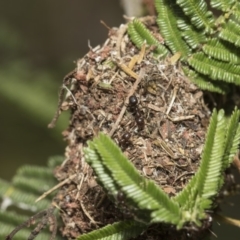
(211, 163)
(117, 231)
(141, 192)
(12, 218)
(9, 220)
(216, 70)
(168, 27)
(139, 33)
(198, 13)
(29, 171)
(205, 83)
(224, 5)
(34, 185)
(104, 175)
(221, 51)
(26, 198)
(29, 182)
(23, 234)
(207, 181)
(236, 12)
(232, 139)
(193, 37)
(231, 33)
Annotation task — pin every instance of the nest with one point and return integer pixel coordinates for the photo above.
(148, 107)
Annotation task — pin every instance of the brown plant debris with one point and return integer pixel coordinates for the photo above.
(45, 217)
(152, 112)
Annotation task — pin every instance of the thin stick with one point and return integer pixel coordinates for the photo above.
(182, 175)
(131, 92)
(70, 93)
(55, 187)
(173, 99)
(87, 214)
(26, 223)
(227, 220)
(181, 118)
(60, 100)
(79, 186)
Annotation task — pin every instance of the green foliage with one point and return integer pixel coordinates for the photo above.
(208, 45)
(197, 11)
(118, 173)
(215, 159)
(117, 231)
(169, 29)
(223, 5)
(35, 95)
(147, 202)
(215, 69)
(139, 33)
(204, 82)
(22, 192)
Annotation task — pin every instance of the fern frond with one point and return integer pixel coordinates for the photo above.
(232, 139)
(22, 193)
(189, 196)
(34, 185)
(204, 82)
(236, 12)
(211, 163)
(117, 231)
(216, 70)
(27, 199)
(168, 27)
(35, 172)
(10, 219)
(28, 183)
(198, 13)
(139, 33)
(206, 183)
(23, 234)
(193, 37)
(221, 51)
(224, 5)
(104, 175)
(141, 192)
(231, 33)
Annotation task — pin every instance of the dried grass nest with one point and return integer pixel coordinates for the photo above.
(154, 113)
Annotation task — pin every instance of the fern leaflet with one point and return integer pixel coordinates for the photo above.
(211, 164)
(139, 33)
(140, 191)
(230, 33)
(223, 5)
(197, 11)
(221, 51)
(117, 231)
(205, 83)
(216, 70)
(168, 27)
(190, 34)
(231, 139)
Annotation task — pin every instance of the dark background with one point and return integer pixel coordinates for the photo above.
(39, 43)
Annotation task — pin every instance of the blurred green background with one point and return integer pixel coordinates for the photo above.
(39, 44)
